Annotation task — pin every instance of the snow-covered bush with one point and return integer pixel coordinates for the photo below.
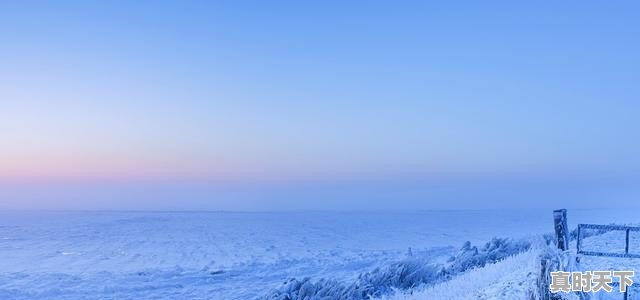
(495, 250)
(403, 275)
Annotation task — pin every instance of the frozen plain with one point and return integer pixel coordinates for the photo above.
(232, 255)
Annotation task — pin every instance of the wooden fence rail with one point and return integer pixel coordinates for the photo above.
(627, 229)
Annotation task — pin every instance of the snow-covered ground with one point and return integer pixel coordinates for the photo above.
(224, 255)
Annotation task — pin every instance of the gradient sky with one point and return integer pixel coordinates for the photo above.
(270, 105)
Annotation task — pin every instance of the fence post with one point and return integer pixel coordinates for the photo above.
(626, 245)
(562, 231)
(543, 281)
(578, 240)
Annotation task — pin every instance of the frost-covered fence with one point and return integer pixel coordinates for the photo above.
(561, 228)
(605, 228)
(552, 261)
(600, 229)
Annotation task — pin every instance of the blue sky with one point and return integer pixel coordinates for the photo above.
(239, 105)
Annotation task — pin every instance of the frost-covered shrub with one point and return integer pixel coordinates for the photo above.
(405, 274)
(497, 249)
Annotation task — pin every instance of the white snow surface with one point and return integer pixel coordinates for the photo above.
(229, 255)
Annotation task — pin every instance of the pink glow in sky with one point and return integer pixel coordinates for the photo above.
(178, 93)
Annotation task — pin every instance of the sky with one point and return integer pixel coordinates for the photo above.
(267, 105)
